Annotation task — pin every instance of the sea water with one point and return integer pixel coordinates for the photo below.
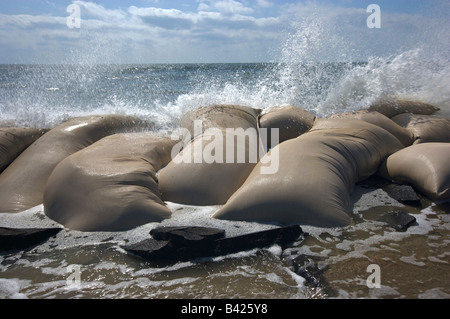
(322, 263)
(330, 263)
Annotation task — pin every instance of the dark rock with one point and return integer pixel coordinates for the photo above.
(173, 244)
(307, 267)
(280, 236)
(152, 249)
(403, 193)
(399, 220)
(373, 181)
(396, 217)
(18, 239)
(187, 235)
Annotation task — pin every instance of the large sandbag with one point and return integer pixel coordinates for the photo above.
(425, 128)
(110, 185)
(215, 163)
(391, 107)
(219, 116)
(14, 140)
(317, 172)
(425, 166)
(402, 134)
(291, 121)
(22, 183)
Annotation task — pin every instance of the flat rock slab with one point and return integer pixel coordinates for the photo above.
(152, 249)
(173, 244)
(403, 193)
(18, 239)
(396, 217)
(280, 236)
(186, 235)
(399, 220)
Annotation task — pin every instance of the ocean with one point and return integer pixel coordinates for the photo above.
(45, 95)
(325, 263)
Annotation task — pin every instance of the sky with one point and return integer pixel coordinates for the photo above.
(212, 31)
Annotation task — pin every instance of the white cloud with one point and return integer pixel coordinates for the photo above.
(96, 10)
(164, 18)
(203, 7)
(158, 12)
(232, 7)
(27, 21)
(264, 3)
(313, 30)
(201, 20)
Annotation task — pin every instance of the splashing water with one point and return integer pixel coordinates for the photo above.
(316, 68)
(342, 83)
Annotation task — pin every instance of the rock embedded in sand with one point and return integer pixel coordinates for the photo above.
(309, 269)
(398, 219)
(185, 235)
(14, 140)
(391, 107)
(281, 236)
(110, 185)
(13, 238)
(217, 160)
(22, 183)
(317, 172)
(403, 193)
(425, 128)
(173, 244)
(292, 121)
(425, 166)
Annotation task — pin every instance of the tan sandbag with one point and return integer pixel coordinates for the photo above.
(210, 180)
(391, 107)
(291, 121)
(220, 116)
(110, 185)
(14, 140)
(425, 166)
(317, 172)
(205, 172)
(425, 128)
(403, 135)
(22, 183)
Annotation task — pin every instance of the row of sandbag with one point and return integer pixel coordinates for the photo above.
(91, 173)
(95, 183)
(320, 160)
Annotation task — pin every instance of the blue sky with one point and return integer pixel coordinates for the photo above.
(192, 31)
